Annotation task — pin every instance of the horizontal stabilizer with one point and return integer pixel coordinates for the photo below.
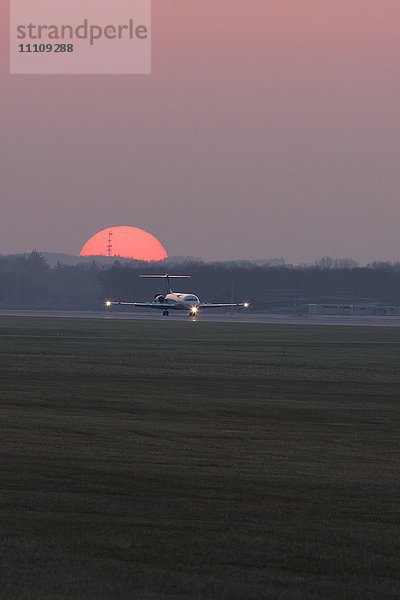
(166, 276)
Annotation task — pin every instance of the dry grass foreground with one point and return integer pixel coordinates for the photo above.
(194, 460)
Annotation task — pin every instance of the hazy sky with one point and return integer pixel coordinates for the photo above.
(268, 128)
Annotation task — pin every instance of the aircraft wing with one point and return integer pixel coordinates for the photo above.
(159, 305)
(211, 305)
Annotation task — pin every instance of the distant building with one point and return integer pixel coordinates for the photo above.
(354, 310)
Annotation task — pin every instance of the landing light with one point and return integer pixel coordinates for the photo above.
(246, 304)
(108, 303)
(194, 309)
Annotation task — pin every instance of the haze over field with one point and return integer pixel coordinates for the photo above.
(268, 128)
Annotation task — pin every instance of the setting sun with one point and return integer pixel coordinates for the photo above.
(126, 242)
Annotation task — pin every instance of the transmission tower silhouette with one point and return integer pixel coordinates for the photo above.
(110, 244)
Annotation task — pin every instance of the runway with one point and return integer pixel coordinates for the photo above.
(206, 317)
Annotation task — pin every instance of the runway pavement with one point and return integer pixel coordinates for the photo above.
(206, 316)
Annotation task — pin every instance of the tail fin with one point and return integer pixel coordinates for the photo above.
(167, 277)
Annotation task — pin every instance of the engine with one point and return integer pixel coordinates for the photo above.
(159, 298)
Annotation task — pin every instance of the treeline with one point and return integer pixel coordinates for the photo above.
(27, 281)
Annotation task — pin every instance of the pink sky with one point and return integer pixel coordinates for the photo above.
(268, 128)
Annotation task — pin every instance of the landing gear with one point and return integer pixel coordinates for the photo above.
(165, 313)
(192, 313)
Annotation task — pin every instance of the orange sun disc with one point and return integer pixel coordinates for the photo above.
(126, 242)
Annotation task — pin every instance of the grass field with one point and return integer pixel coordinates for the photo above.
(191, 460)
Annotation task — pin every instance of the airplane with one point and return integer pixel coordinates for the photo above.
(173, 300)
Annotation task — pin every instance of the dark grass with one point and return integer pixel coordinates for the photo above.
(193, 460)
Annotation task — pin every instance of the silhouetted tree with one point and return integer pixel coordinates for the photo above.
(27, 281)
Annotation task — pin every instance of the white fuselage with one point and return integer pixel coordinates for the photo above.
(183, 301)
